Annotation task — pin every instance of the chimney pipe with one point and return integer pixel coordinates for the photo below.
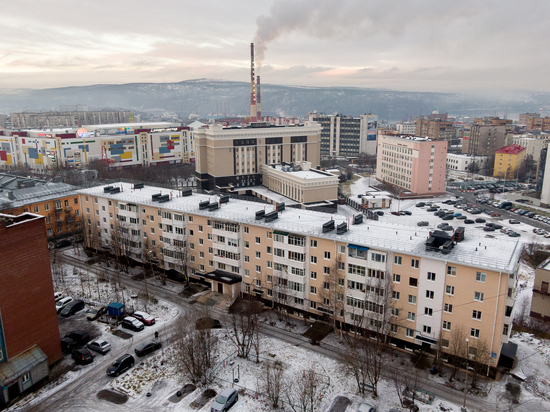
(258, 100)
(252, 86)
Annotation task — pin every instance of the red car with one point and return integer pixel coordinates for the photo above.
(144, 317)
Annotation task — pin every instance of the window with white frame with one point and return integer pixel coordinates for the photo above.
(313, 275)
(428, 311)
(474, 333)
(480, 277)
(431, 276)
(410, 333)
(415, 263)
(448, 308)
(397, 260)
(412, 299)
(450, 290)
(478, 296)
(396, 278)
(446, 325)
(451, 270)
(476, 314)
(427, 329)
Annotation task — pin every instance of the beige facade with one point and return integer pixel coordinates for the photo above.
(435, 129)
(540, 304)
(532, 144)
(483, 139)
(304, 186)
(68, 119)
(369, 271)
(229, 157)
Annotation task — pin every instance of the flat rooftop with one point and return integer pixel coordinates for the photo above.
(475, 250)
(307, 174)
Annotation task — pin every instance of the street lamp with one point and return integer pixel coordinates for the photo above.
(466, 381)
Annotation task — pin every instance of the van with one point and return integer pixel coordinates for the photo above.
(120, 365)
(503, 205)
(72, 308)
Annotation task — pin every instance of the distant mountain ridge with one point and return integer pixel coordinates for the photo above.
(203, 95)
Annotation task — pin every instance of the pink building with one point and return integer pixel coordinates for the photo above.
(414, 164)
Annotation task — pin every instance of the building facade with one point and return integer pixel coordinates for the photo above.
(540, 304)
(232, 157)
(320, 265)
(508, 160)
(406, 128)
(434, 129)
(541, 124)
(533, 144)
(346, 136)
(483, 139)
(77, 118)
(524, 117)
(124, 146)
(461, 162)
(29, 331)
(413, 164)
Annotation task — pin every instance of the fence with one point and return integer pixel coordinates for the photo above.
(419, 394)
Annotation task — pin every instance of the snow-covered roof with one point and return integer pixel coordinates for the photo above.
(475, 250)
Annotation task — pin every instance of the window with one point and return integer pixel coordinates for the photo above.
(153, 230)
(415, 263)
(341, 265)
(152, 218)
(450, 290)
(427, 329)
(313, 243)
(430, 294)
(428, 311)
(413, 282)
(394, 312)
(478, 296)
(47, 207)
(268, 250)
(313, 290)
(200, 228)
(341, 282)
(431, 276)
(245, 229)
(247, 288)
(377, 257)
(258, 255)
(474, 333)
(312, 304)
(313, 275)
(269, 264)
(50, 232)
(298, 301)
(396, 278)
(451, 271)
(258, 268)
(445, 343)
(446, 325)
(257, 240)
(313, 259)
(269, 279)
(505, 329)
(190, 218)
(397, 260)
(246, 244)
(326, 270)
(327, 255)
(211, 263)
(395, 295)
(247, 272)
(190, 232)
(326, 301)
(26, 377)
(246, 259)
(201, 255)
(448, 308)
(341, 249)
(201, 242)
(36, 209)
(356, 270)
(326, 285)
(258, 282)
(412, 299)
(270, 292)
(480, 277)
(201, 268)
(393, 328)
(410, 333)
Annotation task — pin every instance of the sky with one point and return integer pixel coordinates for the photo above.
(411, 45)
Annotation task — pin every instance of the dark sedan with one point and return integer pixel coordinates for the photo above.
(147, 347)
(82, 356)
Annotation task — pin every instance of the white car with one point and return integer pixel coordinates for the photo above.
(58, 296)
(60, 304)
(366, 407)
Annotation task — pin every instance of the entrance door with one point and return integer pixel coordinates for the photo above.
(220, 287)
(13, 391)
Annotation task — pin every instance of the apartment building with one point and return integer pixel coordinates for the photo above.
(538, 123)
(508, 159)
(523, 117)
(346, 136)
(483, 139)
(406, 128)
(29, 332)
(57, 202)
(321, 265)
(118, 145)
(533, 143)
(434, 129)
(73, 118)
(232, 157)
(414, 164)
(540, 304)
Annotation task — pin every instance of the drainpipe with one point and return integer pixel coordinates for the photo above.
(494, 323)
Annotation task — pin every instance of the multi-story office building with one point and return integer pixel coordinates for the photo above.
(77, 118)
(414, 164)
(57, 202)
(406, 128)
(508, 160)
(383, 274)
(29, 332)
(346, 136)
(232, 157)
(483, 139)
(118, 145)
(524, 117)
(434, 129)
(541, 124)
(461, 162)
(533, 143)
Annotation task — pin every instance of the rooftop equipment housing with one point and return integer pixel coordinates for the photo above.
(439, 241)
(328, 226)
(260, 214)
(342, 228)
(271, 216)
(204, 205)
(186, 192)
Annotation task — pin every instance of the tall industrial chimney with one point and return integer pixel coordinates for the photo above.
(252, 86)
(258, 100)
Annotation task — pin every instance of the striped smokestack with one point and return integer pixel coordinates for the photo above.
(252, 86)
(258, 100)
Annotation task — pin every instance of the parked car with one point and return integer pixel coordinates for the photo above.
(96, 312)
(489, 229)
(442, 225)
(480, 220)
(58, 296)
(207, 323)
(431, 209)
(225, 400)
(396, 213)
(60, 304)
(63, 243)
(82, 356)
(462, 217)
(497, 227)
(469, 221)
(407, 212)
(421, 204)
(495, 214)
(81, 337)
(513, 234)
(99, 346)
(514, 222)
(379, 213)
(147, 347)
(68, 345)
(144, 317)
(423, 223)
(448, 217)
(366, 407)
(120, 365)
(72, 308)
(132, 324)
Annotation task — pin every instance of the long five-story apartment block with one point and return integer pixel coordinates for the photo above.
(318, 264)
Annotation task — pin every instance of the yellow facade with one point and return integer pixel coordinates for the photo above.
(506, 164)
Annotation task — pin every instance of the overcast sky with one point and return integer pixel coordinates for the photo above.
(413, 45)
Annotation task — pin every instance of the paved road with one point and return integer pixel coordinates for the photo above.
(80, 393)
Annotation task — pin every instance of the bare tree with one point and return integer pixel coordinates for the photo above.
(404, 383)
(305, 391)
(195, 349)
(243, 322)
(457, 349)
(282, 295)
(182, 253)
(522, 313)
(273, 384)
(480, 355)
(333, 294)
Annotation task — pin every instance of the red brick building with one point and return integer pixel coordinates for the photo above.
(29, 331)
